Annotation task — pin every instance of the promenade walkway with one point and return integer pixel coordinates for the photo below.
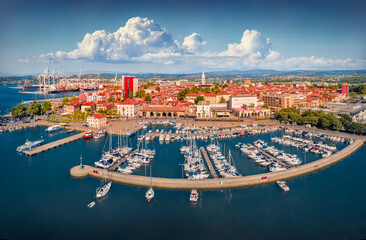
(216, 183)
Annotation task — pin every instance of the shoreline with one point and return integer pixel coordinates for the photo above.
(218, 183)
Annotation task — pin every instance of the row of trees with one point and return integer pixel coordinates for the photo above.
(359, 89)
(35, 108)
(320, 119)
(183, 94)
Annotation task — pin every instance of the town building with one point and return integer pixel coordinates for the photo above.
(345, 89)
(278, 101)
(97, 120)
(130, 84)
(128, 108)
(243, 100)
(72, 108)
(90, 105)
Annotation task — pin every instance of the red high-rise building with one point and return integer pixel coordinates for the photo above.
(130, 84)
(345, 88)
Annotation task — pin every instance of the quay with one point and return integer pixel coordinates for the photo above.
(270, 156)
(54, 144)
(216, 183)
(208, 162)
(116, 165)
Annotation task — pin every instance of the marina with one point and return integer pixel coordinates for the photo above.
(208, 163)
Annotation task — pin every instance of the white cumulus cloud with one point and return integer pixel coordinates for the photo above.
(143, 40)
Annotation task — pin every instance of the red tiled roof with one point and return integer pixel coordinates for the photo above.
(97, 115)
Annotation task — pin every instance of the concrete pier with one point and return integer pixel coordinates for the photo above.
(208, 162)
(217, 183)
(54, 144)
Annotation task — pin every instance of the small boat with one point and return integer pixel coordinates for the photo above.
(283, 186)
(54, 128)
(104, 189)
(150, 195)
(90, 205)
(100, 134)
(88, 135)
(194, 196)
(29, 145)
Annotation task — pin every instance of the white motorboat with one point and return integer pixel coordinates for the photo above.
(194, 196)
(283, 186)
(92, 204)
(54, 128)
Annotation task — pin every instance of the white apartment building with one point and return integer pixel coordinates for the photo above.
(203, 109)
(239, 101)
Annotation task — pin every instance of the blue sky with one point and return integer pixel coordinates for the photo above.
(181, 36)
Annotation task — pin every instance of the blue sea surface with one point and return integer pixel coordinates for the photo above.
(40, 200)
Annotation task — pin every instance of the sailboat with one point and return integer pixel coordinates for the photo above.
(104, 189)
(150, 193)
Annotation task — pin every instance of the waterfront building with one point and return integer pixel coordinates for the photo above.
(256, 112)
(203, 109)
(278, 101)
(97, 120)
(243, 100)
(128, 108)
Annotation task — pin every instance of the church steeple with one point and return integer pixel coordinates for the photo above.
(203, 79)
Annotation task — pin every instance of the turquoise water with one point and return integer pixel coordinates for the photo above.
(40, 200)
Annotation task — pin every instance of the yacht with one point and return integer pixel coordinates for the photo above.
(28, 145)
(54, 128)
(283, 186)
(104, 189)
(194, 196)
(150, 195)
(100, 134)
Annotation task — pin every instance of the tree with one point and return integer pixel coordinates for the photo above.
(88, 111)
(110, 99)
(34, 108)
(73, 98)
(225, 85)
(265, 106)
(158, 89)
(148, 98)
(46, 106)
(198, 99)
(130, 95)
(66, 100)
(140, 93)
(222, 100)
(19, 111)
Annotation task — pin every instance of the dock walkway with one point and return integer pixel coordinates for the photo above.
(54, 144)
(116, 165)
(208, 162)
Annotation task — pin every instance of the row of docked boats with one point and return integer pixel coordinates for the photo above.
(290, 159)
(96, 135)
(319, 148)
(319, 135)
(194, 165)
(225, 166)
(135, 160)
